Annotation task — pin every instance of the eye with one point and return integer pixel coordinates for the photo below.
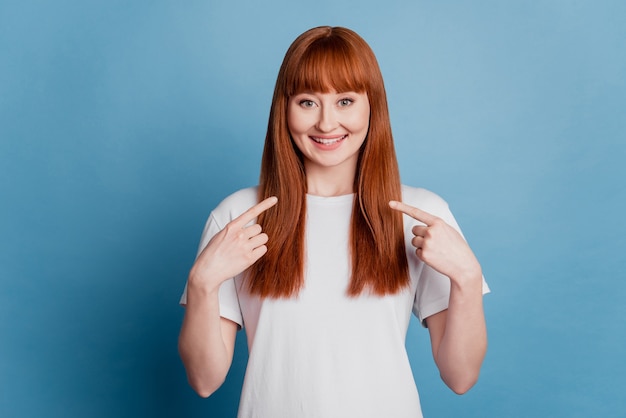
(345, 102)
(306, 103)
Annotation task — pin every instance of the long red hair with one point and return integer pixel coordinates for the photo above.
(320, 60)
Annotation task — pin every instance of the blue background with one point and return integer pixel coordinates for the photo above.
(122, 124)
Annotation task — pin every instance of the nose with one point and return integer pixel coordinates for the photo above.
(327, 121)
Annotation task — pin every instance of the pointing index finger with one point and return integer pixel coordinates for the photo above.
(256, 210)
(413, 212)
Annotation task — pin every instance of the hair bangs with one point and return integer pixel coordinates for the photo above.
(329, 64)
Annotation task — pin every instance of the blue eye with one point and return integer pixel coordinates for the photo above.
(307, 103)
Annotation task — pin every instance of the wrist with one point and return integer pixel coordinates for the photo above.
(199, 284)
(468, 279)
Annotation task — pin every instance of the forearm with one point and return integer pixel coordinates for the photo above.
(462, 348)
(207, 341)
(203, 349)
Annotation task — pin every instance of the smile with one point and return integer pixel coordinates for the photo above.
(328, 141)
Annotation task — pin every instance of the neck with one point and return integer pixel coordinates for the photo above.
(330, 181)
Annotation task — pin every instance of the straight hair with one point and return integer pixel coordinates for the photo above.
(321, 60)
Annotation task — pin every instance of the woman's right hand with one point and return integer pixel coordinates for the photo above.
(232, 250)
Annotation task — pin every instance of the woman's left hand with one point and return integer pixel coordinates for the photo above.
(441, 246)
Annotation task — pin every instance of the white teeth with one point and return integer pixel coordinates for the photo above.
(327, 141)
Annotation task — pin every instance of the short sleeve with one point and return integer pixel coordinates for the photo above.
(432, 294)
(228, 299)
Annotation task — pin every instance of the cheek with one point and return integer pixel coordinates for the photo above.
(296, 121)
(362, 117)
(360, 121)
(290, 119)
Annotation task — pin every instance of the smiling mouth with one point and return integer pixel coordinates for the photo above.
(328, 141)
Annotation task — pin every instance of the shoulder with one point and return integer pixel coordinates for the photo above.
(241, 197)
(425, 200)
(235, 204)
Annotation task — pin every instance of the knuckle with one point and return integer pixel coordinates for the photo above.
(250, 257)
(230, 228)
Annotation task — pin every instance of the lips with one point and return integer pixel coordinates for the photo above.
(328, 141)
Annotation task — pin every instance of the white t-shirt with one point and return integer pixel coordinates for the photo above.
(323, 354)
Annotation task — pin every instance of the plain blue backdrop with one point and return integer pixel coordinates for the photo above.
(122, 124)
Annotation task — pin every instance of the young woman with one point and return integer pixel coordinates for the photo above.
(323, 262)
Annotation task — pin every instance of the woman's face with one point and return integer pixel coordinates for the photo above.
(329, 128)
